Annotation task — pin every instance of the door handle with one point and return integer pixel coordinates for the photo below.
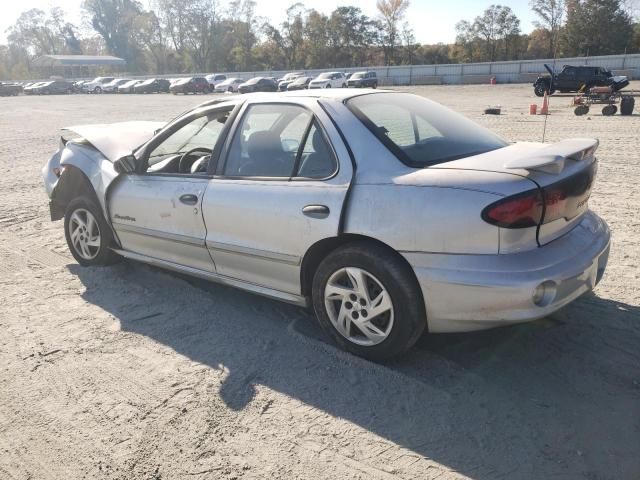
(189, 199)
(316, 211)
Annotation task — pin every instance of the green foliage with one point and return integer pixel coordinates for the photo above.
(597, 27)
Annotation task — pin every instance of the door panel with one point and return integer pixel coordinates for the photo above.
(160, 216)
(257, 230)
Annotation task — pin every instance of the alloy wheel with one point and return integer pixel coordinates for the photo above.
(84, 233)
(359, 306)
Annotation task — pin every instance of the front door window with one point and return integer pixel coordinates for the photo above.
(187, 150)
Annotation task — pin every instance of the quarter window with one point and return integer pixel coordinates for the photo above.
(316, 159)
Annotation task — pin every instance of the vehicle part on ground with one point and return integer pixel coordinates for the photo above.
(284, 194)
(609, 110)
(627, 104)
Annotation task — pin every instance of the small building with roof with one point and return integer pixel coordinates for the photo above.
(73, 66)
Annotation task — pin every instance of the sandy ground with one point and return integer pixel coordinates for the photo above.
(129, 372)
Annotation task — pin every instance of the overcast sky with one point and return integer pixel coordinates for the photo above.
(433, 21)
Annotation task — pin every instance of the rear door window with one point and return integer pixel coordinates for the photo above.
(267, 141)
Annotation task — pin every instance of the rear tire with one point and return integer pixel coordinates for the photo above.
(88, 235)
(609, 110)
(368, 300)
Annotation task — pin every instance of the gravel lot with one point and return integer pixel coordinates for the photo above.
(129, 372)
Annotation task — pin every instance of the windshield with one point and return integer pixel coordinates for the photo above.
(254, 80)
(182, 81)
(324, 76)
(148, 82)
(301, 80)
(358, 75)
(421, 132)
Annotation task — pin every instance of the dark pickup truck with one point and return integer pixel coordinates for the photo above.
(574, 79)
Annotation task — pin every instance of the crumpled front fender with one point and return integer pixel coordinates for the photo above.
(98, 170)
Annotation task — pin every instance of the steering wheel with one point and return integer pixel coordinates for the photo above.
(183, 165)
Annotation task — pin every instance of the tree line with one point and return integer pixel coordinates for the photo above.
(178, 36)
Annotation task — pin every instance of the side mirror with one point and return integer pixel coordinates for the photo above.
(125, 164)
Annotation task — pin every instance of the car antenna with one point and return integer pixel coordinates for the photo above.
(553, 70)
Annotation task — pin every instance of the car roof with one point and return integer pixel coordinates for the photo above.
(340, 94)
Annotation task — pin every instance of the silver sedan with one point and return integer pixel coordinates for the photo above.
(386, 212)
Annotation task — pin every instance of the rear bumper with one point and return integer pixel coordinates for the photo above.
(475, 292)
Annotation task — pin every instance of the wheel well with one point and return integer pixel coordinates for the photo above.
(72, 184)
(319, 251)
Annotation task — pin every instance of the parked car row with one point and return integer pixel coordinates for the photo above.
(298, 81)
(217, 83)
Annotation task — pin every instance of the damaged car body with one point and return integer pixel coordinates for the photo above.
(386, 212)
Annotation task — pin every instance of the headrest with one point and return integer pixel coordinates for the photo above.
(263, 142)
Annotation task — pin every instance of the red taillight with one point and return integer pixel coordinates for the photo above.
(520, 211)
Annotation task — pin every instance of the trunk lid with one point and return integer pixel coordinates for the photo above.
(564, 173)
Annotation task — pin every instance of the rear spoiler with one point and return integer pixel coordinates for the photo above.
(551, 158)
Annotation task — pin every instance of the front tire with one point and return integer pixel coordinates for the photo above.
(368, 300)
(540, 88)
(88, 236)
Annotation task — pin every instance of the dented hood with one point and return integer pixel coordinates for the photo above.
(116, 140)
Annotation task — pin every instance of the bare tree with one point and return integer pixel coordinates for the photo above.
(551, 13)
(391, 13)
(496, 23)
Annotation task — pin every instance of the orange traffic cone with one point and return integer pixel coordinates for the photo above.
(545, 105)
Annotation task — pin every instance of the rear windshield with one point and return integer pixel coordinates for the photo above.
(421, 132)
